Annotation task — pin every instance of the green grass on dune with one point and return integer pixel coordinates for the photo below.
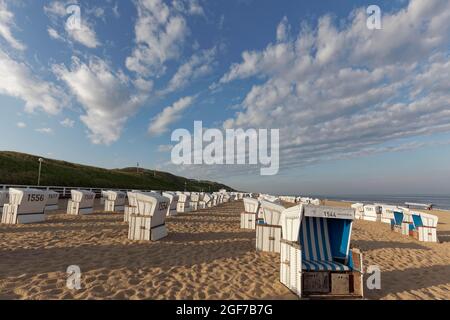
(22, 169)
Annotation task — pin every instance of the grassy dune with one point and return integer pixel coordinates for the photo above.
(22, 169)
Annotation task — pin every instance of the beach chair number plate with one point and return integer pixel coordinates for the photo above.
(36, 197)
(329, 212)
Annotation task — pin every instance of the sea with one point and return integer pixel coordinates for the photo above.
(439, 201)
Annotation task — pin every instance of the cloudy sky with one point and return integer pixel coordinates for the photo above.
(359, 111)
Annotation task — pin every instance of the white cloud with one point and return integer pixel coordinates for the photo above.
(45, 130)
(21, 125)
(336, 91)
(19, 81)
(169, 115)
(67, 123)
(56, 8)
(54, 34)
(165, 148)
(115, 10)
(6, 24)
(198, 65)
(160, 31)
(105, 95)
(84, 35)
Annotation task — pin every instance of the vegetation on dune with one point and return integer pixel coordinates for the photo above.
(22, 169)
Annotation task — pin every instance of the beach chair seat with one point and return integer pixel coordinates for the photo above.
(320, 265)
(316, 247)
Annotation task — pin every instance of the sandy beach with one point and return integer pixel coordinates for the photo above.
(205, 256)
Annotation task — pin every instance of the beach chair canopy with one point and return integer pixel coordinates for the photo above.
(421, 219)
(152, 204)
(251, 205)
(324, 237)
(398, 218)
(131, 195)
(271, 212)
(28, 200)
(116, 196)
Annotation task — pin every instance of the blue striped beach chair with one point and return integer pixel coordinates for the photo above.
(324, 260)
(399, 223)
(423, 227)
(318, 252)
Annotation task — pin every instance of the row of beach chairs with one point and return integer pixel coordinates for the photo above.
(145, 212)
(419, 225)
(313, 242)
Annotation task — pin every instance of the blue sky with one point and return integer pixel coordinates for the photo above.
(359, 111)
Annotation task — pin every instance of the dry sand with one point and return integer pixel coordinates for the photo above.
(205, 256)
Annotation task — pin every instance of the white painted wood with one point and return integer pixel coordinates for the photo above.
(268, 238)
(25, 206)
(290, 222)
(271, 212)
(291, 266)
(248, 220)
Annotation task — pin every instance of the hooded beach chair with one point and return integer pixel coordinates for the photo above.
(131, 208)
(268, 230)
(81, 203)
(205, 201)
(25, 206)
(423, 226)
(371, 213)
(359, 210)
(173, 201)
(150, 221)
(249, 217)
(387, 213)
(400, 222)
(193, 203)
(115, 201)
(52, 201)
(183, 204)
(316, 259)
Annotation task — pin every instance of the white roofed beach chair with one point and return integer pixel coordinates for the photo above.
(173, 198)
(115, 201)
(25, 206)
(82, 202)
(316, 244)
(249, 217)
(150, 221)
(268, 230)
(423, 226)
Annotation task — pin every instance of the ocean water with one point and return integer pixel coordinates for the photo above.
(439, 201)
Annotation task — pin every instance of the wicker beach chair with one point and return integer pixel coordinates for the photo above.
(25, 206)
(317, 261)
